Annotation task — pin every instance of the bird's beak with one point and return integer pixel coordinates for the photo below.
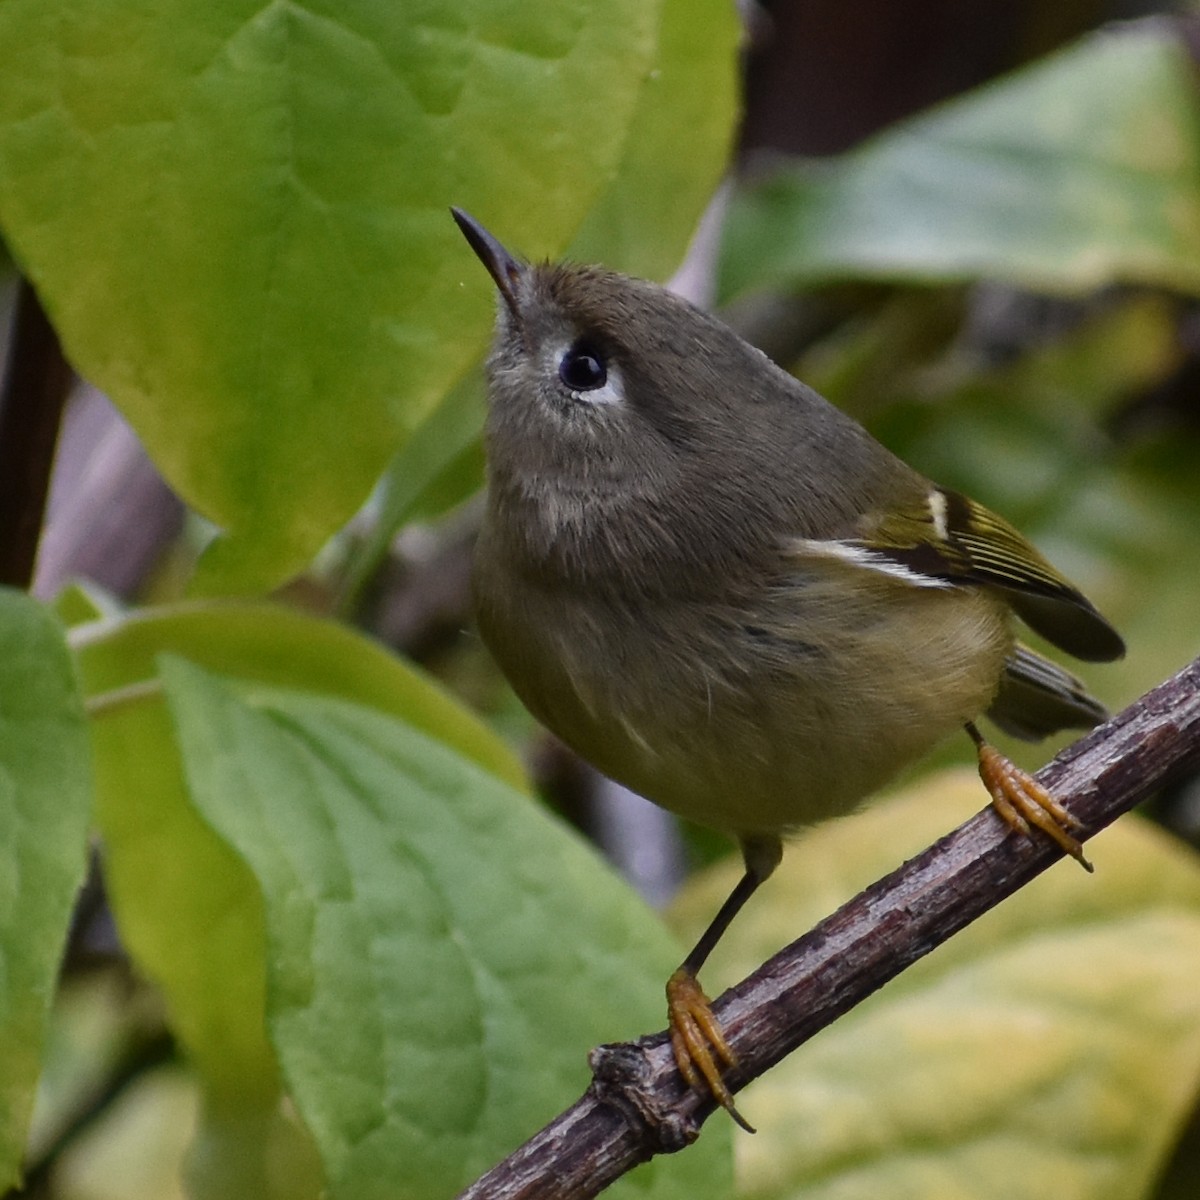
(501, 265)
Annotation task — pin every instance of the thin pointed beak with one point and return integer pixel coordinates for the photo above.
(501, 265)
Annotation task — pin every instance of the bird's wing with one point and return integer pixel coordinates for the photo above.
(945, 536)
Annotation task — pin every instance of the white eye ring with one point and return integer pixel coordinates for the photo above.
(588, 374)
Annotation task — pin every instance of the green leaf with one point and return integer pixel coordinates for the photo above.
(247, 1152)
(1051, 1049)
(678, 145)
(1078, 171)
(278, 645)
(189, 910)
(191, 916)
(441, 953)
(236, 217)
(675, 151)
(45, 801)
(81, 602)
(1148, 515)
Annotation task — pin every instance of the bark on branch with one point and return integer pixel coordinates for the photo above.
(636, 1107)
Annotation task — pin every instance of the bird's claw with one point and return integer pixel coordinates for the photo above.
(699, 1042)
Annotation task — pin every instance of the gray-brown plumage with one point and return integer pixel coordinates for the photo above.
(724, 593)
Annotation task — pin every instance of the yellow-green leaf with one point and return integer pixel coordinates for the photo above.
(236, 214)
(281, 646)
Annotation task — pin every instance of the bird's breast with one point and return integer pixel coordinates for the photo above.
(747, 716)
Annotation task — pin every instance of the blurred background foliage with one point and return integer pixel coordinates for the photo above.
(975, 227)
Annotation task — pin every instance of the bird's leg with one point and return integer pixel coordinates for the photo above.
(701, 1051)
(1022, 802)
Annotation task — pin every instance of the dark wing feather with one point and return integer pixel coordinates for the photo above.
(1037, 698)
(948, 536)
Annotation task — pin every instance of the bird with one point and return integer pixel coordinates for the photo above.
(725, 594)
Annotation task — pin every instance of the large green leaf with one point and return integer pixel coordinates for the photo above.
(1077, 171)
(1051, 1049)
(191, 916)
(236, 216)
(441, 953)
(45, 803)
(189, 910)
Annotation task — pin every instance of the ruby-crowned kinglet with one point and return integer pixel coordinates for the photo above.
(725, 594)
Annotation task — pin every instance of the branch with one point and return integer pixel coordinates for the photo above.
(33, 391)
(636, 1106)
(112, 516)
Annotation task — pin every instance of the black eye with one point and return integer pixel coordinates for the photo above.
(582, 368)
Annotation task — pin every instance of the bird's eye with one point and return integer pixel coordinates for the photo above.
(582, 368)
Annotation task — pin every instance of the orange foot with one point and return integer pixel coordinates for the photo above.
(1024, 803)
(695, 1036)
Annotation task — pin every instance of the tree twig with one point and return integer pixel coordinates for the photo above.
(111, 516)
(636, 1107)
(33, 390)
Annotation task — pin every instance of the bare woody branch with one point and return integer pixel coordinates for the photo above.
(635, 1106)
(33, 390)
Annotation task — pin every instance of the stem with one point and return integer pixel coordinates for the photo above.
(118, 699)
(33, 392)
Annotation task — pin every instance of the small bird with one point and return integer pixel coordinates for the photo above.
(723, 593)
